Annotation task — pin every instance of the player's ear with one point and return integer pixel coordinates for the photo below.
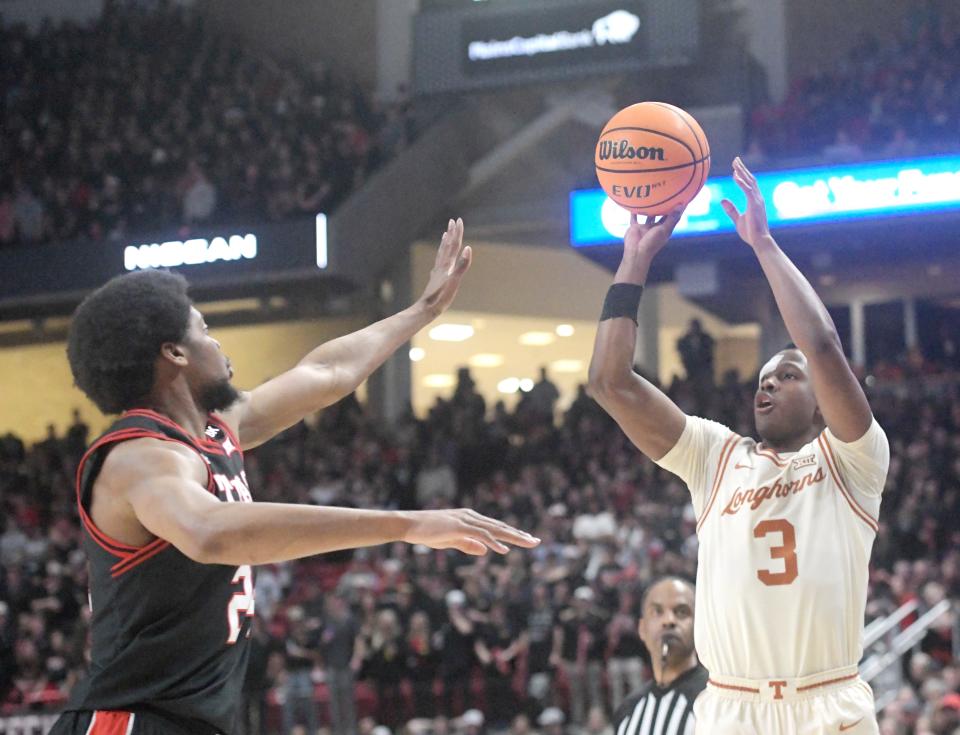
(173, 352)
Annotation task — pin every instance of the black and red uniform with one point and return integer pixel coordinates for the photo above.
(169, 635)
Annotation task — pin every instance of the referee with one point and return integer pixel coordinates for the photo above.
(664, 706)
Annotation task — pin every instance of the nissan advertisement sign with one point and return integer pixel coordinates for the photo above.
(510, 43)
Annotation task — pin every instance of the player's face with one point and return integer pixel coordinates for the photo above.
(209, 371)
(668, 619)
(785, 406)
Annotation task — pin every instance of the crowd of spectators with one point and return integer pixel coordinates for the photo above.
(433, 642)
(148, 120)
(892, 97)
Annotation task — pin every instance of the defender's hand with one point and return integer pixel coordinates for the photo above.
(466, 530)
(452, 262)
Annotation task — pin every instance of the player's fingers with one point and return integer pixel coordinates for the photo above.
(648, 220)
(470, 546)
(731, 210)
(504, 531)
(744, 185)
(672, 218)
(457, 246)
(517, 538)
(450, 244)
(484, 536)
(464, 261)
(750, 183)
(480, 529)
(748, 174)
(444, 250)
(634, 218)
(511, 535)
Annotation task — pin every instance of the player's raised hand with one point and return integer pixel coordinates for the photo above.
(453, 259)
(751, 225)
(465, 530)
(647, 238)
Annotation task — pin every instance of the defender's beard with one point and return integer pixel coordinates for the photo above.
(219, 396)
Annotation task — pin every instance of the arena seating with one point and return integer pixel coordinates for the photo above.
(609, 518)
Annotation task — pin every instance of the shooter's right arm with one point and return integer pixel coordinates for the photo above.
(163, 485)
(647, 416)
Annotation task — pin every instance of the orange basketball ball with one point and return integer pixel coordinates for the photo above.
(652, 157)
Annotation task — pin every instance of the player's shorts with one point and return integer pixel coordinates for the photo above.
(834, 702)
(116, 722)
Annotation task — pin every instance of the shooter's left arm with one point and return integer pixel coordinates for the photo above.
(841, 399)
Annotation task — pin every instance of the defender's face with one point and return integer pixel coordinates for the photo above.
(206, 357)
(209, 370)
(784, 405)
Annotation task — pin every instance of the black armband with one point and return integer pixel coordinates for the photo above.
(623, 299)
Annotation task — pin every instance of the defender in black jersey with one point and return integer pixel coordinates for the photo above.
(664, 706)
(164, 628)
(171, 531)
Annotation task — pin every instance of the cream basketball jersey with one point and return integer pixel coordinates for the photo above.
(785, 543)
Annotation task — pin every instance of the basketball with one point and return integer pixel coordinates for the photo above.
(652, 157)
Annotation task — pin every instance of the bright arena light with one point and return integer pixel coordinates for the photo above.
(417, 354)
(566, 366)
(439, 380)
(564, 330)
(509, 385)
(451, 332)
(536, 339)
(485, 360)
(526, 385)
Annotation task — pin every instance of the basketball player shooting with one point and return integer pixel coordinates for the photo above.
(169, 527)
(785, 525)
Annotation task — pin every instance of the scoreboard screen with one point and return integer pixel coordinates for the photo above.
(491, 44)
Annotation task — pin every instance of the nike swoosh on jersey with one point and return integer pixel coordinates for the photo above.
(844, 728)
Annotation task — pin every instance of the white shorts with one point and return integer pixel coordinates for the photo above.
(835, 702)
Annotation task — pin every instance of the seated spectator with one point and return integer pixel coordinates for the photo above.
(7, 219)
(198, 195)
(842, 149)
(110, 144)
(490, 632)
(901, 145)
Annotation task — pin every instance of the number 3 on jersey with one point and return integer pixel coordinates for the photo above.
(786, 551)
(240, 603)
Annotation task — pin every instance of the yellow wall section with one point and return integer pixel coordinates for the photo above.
(736, 345)
(522, 280)
(37, 388)
(511, 289)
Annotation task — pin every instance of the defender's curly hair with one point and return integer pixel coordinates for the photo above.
(116, 335)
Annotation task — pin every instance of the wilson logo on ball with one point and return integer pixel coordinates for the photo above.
(622, 150)
(652, 158)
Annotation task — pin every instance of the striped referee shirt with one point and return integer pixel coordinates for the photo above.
(658, 710)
